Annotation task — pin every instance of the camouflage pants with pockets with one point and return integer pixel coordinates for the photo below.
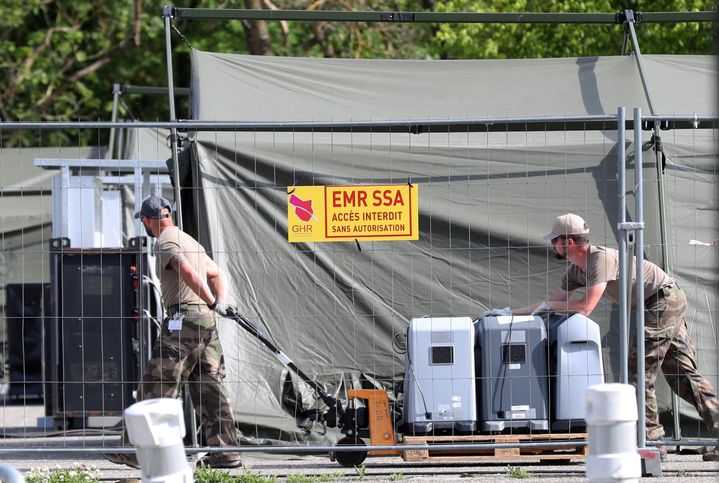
(668, 347)
(193, 354)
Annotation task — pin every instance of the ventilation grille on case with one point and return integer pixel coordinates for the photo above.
(441, 337)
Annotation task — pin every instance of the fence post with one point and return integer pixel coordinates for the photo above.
(11, 475)
(156, 428)
(611, 416)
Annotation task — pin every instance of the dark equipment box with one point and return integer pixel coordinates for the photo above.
(23, 316)
(97, 335)
(512, 373)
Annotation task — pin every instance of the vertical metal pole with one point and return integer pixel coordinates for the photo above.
(137, 172)
(65, 176)
(629, 27)
(167, 14)
(665, 263)
(623, 284)
(110, 154)
(660, 192)
(639, 291)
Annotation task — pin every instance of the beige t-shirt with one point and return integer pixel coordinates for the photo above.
(603, 266)
(171, 242)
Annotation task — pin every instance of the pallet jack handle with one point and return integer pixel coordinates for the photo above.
(243, 322)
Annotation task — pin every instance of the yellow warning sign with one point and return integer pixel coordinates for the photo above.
(346, 213)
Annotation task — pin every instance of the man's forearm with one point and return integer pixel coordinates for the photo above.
(218, 287)
(561, 306)
(192, 279)
(526, 310)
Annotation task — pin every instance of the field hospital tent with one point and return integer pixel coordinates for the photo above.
(26, 211)
(340, 310)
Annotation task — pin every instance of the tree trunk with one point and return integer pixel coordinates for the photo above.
(258, 37)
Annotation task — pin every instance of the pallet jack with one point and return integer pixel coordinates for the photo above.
(367, 414)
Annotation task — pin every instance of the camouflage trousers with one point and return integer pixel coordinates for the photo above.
(668, 347)
(193, 354)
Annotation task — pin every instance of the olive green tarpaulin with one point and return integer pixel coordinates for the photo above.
(338, 309)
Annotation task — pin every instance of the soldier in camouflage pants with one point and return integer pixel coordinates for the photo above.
(193, 354)
(188, 348)
(667, 346)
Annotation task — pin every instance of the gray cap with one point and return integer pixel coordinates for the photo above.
(565, 225)
(152, 207)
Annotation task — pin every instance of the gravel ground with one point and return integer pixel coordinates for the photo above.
(18, 428)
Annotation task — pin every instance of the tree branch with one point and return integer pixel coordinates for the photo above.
(85, 71)
(138, 24)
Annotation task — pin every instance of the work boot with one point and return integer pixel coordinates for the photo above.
(128, 459)
(220, 460)
(712, 455)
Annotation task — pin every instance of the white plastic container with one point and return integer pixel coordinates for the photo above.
(156, 428)
(611, 417)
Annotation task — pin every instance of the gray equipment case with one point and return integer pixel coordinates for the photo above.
(439, 383)
(575, 358)
(512, 387)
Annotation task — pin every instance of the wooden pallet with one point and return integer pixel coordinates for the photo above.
(434, 453)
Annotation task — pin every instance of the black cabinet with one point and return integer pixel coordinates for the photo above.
(98, 337)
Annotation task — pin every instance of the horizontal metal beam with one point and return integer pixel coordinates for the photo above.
(682, 442)
(156, 179)
(539, 123)
(319, 449)
(676, 17)
(438, 17)
(322, 449)
(106, 164)
(411, 126)
(401, 17)
(153, 90)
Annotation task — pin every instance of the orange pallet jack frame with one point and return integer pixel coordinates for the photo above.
(381, 429)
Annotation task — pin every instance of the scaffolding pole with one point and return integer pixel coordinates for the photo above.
(173, 117)
(623, 236)
(664, 263)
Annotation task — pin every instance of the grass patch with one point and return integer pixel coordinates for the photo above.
(249, 477)
(78, 473)
(517, 472)
(205, 474)
(315, 478)
(360, 472)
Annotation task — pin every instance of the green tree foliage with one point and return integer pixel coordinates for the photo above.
(506, 41)
(59, 59)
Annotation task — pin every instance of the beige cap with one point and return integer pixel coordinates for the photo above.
(569, 224)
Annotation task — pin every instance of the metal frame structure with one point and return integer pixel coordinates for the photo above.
(654, 121)
(118, 90)
(611, 122)
(141, 175)
(628, 18)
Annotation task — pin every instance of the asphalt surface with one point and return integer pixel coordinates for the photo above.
(26, 447)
